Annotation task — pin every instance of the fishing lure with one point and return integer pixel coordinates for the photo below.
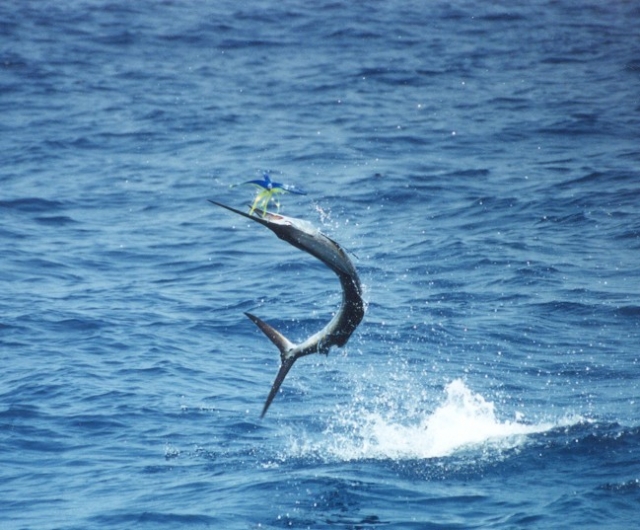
(267, 191)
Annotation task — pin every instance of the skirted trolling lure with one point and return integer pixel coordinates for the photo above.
(267, 191)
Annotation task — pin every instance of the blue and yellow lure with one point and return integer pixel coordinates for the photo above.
(267, 190)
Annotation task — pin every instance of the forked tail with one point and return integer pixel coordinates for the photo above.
(285, 346)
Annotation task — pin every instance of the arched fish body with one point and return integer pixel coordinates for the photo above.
(303, 235)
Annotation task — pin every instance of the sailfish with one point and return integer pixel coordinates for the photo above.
(304, 236)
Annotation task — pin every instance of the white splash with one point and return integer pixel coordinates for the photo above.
(463, 421)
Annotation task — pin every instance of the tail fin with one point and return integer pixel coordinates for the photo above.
(282, 373)
(282, 342)
(284, 345)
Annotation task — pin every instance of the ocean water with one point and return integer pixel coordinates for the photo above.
(480, 161)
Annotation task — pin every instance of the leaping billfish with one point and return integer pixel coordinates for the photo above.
(303, 235)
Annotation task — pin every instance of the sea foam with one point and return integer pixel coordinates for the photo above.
(463, 420)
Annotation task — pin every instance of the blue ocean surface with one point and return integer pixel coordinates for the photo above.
(479, 160)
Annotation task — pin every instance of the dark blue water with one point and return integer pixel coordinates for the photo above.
(480, 160)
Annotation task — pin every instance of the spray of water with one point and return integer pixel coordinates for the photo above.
(461, 421)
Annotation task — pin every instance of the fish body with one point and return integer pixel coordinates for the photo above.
(304, 236)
